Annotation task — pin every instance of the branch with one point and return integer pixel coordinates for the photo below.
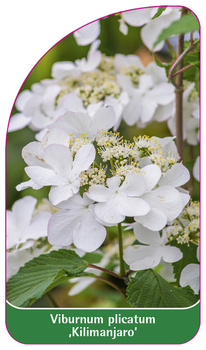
(179, 91)
(105, 270)
(112, 284)
(178, 61)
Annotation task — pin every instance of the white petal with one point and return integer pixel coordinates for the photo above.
(190, 276)
(108, 212)
(93, 59)
(72, 102)
(87, 34)
(83, 283)
(152, 30)
(55, 135)
(104, 119)
(171, 254)
(131, 112)
(99, 193)
(148, 109)
(89, 234)
(83, 159)
(198, 253)
(122, 61)
(163, 113)
(151, 174)
(141, 257)
(184, 194)
(61, 70)
(166, 199)
(163, 93)
(176, 176)
(133, 185)
(38, 227)
(196, 169)
(137, 18)
(18, 121)
(23, 210)
(130, 206)
(58, 194)
(26, 184)
(146, 236)
(113, 183)
(42, 176)
(32, 154)
(126, 83)
(59, 157)
(75, 123)
(61, 227)
(123, 28)
(155, 220)
(22, 99)
(76, 202)
(145, 83)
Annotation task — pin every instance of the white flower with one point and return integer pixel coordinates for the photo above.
(151, 31)
(76, 223)
(166, 201)
(145, 98)
(151, 27)
(123, 62)
(119, 200)
(61, 70)
(33, 152)
(57, 168)
(190, 275)
(196, 169)
(140, 257)
(139, 17)
(18, 258)
(22, 227)
(190, 117)
(87, 34)
(19, 120)
(39, 107)
(77, 123)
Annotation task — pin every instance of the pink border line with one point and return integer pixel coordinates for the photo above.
(137, 8)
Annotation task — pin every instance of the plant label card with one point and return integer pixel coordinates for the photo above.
(103, 225)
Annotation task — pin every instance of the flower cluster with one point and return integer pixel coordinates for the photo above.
(185, 228)
(97, 179)
(26, 232)
(103, 196)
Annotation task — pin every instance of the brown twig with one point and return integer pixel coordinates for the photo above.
(179, 93)
(111, 284)
(105, 270)
(178, 61)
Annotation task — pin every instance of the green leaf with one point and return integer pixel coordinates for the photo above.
(193, 57)
(41, 274)
(187, 23)
(159, 12)
(166, 66)
(148, 289)
(189, 257)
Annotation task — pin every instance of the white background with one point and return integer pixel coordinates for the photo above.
(46, 22)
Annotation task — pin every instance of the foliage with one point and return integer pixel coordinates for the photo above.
(41, 274)
(187, 23)
(148, 289)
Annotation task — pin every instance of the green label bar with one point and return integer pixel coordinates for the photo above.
(103, 326)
